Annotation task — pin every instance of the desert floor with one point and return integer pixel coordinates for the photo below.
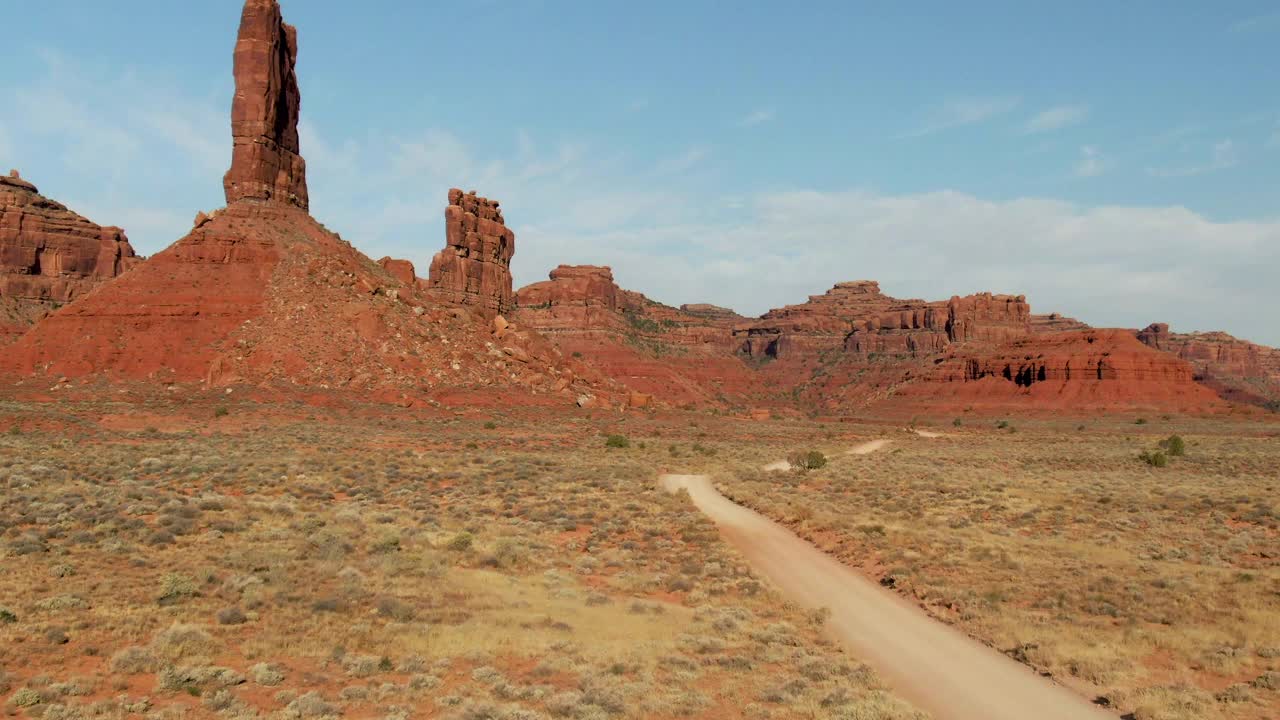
(234, 558)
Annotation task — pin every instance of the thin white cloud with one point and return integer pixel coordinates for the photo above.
(1056, 118)
(1257, 23)
(960, 112)
(1223, 155)
(682, 163)
(1091, 163)
(757, 117)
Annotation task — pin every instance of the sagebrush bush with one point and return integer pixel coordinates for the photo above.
(1154, 459)
(617, 441)
(1174, 445)
(807, 460)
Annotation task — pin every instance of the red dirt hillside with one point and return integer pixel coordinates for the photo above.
(260, 292)
(49, 255)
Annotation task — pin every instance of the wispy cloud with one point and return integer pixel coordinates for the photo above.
(1056, 118)
(960, 112)
(1224, 154)
(681, 163)
(1091, 163)
(1257, 23)
(757, 117)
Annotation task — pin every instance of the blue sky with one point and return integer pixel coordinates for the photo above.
(1114, 161)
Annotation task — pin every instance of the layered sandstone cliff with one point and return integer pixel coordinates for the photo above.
(49, 255)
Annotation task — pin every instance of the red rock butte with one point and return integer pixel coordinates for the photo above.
(266, 161)
(474, 268)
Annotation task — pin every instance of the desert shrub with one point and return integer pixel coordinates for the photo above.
(957, 422)
(175, 587)
(617, 441)
(491, 425)
(7, 616)
(1154, 459)
(133, 661)
(1002, 424)
(1174, 446)
(1140, 421)
(222, 411)
(461, 542)
(807, 460)
(264, 674)
(231, 616)
(180, 641)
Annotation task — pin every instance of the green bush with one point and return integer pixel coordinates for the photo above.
(1174, 445)
(807, 460)
(957, 422)
(491, 425)
(1002, 424)
(1140, 421)
(222, 411)
(1154, 459)
(461, 542)
(617, 441)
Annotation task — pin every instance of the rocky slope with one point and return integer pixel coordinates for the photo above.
(49, 256)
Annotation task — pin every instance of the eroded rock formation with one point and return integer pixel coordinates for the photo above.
(816, 326)
(474, 268)
(261, 294)
(266, 161)
(49, 255)
(1236, 369)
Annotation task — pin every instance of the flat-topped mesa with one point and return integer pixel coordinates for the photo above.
(49, 255)
(266, 160)
(474, 268)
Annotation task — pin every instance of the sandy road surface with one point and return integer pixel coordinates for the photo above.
(935, 667)
(867, 448)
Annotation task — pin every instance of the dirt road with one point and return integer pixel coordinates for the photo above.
(933, 666)
(867, 448)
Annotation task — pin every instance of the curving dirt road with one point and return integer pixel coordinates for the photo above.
(930, 664)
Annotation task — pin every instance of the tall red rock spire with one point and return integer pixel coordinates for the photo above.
(266, 163)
